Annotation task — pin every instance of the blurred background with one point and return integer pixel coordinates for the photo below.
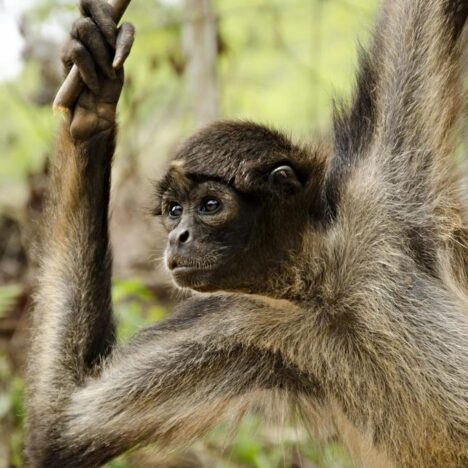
(279, 62)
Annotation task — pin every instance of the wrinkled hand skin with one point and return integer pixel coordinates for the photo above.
(99, 49)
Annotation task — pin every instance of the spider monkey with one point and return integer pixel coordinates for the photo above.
(333, 279)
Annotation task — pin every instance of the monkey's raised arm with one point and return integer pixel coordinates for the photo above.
(72, 321)
(403, 124)
(417, 53)
(408, 95)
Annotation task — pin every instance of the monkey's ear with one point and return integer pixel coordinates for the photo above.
(284, 177)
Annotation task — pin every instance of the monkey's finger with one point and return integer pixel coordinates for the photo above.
(102, 14)
(85, 63)
(87, 32)
(124, 43)
(67, 61)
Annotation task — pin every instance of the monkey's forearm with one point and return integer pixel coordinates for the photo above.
(76, 251)
(72, 319)
(172, 383)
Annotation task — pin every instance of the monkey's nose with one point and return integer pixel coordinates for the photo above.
(184, 236)
(179, 237)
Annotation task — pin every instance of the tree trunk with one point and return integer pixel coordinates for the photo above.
(201, 49)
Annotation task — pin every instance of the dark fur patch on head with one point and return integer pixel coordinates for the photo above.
(242, 155)
(239, 153)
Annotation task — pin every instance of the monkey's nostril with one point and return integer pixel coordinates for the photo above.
(183, 237)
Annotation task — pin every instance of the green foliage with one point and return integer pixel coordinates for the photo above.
(134, 306)
(26, 135)
(11, 389)
(8, 296)
(11, 412)
(286, 60)
(257, 445)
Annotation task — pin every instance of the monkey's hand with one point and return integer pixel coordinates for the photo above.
(99, 49)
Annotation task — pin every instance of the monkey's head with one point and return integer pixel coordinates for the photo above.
(235, 201)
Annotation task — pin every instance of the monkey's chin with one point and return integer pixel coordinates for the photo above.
(198, 279)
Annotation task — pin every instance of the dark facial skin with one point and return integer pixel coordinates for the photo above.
(206, 227)
(214, 231)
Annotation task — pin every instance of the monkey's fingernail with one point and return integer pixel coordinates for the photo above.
(117, 63)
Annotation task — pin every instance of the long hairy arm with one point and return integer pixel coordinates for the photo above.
(407, 102)
(403, 128)
(177, 379)
(170, 384)
(72, 320)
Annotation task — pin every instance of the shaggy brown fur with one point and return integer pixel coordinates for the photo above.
(347, 300)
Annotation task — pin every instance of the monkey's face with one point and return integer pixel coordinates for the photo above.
(222, 239)
(235, 202)
(208, 228)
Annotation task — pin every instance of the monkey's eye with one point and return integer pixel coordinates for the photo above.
(210, 205)
(175, 210)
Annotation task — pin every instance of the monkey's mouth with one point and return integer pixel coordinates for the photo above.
(189, 265)
(192, 274)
